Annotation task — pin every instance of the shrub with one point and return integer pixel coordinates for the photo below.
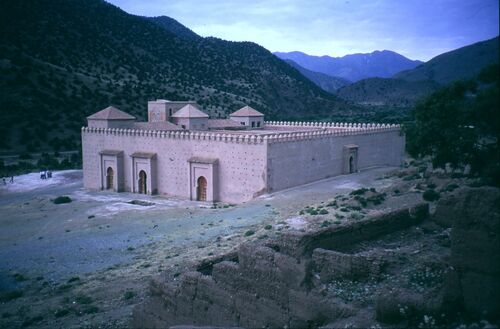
(8, 296)
(451, 187)
(268, 227)
(249, 233)
(73, 279)
(360, 191)
(84, 300)
(325, 223)
(61, 312)
(323, 212)
(19, 277)
(430, 195)
(332, 204)
(62, 199)
(91, 309)
(129, 294)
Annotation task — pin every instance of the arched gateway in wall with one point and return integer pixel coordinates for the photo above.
(201, 193)
(109, 178)
(143, 187)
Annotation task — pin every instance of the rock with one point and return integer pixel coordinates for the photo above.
(332, 265)
(396, 306)
(475, 248)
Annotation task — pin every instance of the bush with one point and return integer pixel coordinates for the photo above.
(430, 195)
(360, 191)
(62, 312)
(323, 212)
(83, 300)
(8, 296)
(249, 233)
(62, 199)
(129, 294)
(268, 227)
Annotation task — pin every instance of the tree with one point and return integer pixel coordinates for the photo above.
(460, 125)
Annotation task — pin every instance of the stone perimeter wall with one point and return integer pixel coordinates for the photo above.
(308, 157)
(248, 165)
(241, 166)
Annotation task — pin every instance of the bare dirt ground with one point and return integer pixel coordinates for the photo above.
(88, 262)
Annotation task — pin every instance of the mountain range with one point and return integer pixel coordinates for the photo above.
(407, 87)
(324, 81)
(353, 67)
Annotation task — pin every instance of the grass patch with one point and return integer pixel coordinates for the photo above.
(62, 199)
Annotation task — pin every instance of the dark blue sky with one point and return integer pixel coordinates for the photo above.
(418, 29)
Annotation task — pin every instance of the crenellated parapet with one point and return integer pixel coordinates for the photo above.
(344, 125)
(180, 135)
(325, 130)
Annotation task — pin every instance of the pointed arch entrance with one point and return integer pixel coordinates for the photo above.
(143, 187)
(201, 191)
(350, 159)
(109, 178)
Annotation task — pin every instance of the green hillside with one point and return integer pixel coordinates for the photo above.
(460, 64)
(386, 92)
(61, 60)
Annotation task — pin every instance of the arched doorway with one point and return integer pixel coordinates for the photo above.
(109, 178)
(351, 165)
(201, 189)
(143, 182)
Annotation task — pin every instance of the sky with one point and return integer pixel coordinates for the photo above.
(417, 29)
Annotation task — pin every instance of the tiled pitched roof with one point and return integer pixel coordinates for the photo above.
(223, 123)
(160, 125)
(246, 111)
(111, 113)
(189, 111)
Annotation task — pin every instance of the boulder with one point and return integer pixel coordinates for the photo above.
(475, 248)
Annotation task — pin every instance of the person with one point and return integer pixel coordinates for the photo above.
(4, 182)
(49, 174)
(12, 179)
